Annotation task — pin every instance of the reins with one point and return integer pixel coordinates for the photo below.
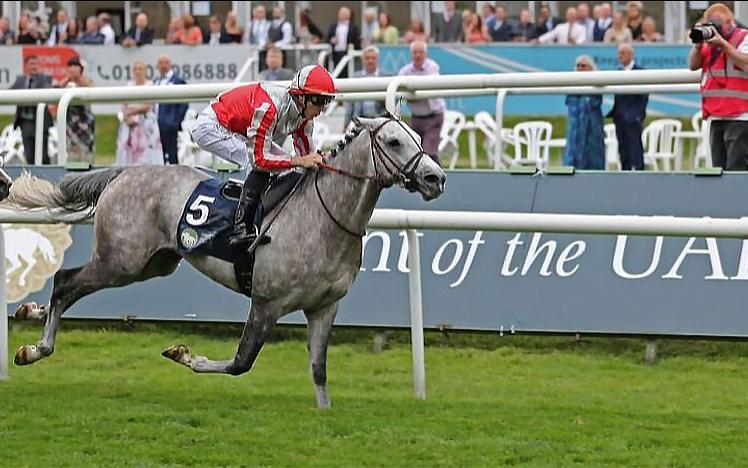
(390, 170)
(389, 174)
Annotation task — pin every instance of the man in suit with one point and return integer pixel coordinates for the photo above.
(170, 116)
(140, 34)
(275, 70)
(341, 35)
(498, 28)
(628, 115)
(448, 25)
(370, 59)
(603, 23)
(526, 30)
(546, 21)
(58, 32)
(26, 115)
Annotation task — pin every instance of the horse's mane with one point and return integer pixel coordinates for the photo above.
(349, 136)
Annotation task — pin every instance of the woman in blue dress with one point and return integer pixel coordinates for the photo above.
(585, 145)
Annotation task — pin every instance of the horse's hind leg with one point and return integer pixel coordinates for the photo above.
(257, 329)
(319, 325)
(74, 284)
(69, 286)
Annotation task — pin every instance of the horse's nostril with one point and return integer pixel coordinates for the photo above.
(432, 179)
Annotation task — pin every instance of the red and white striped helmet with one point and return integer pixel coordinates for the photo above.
(313, 79)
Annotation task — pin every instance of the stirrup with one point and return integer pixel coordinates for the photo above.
(245, 237)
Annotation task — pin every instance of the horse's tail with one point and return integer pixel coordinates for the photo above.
(75, 192)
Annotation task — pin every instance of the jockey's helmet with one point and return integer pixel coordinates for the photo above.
(313, 80)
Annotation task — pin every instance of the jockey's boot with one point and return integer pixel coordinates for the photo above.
(244, 231)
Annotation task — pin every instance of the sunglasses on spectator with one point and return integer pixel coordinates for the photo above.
(583, 65)
(320, 100)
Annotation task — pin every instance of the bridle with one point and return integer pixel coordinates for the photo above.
(387, 172)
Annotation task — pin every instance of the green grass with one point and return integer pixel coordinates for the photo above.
(107, 398)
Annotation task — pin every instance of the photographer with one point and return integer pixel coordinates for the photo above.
(721, 52)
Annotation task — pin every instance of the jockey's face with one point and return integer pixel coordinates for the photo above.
(311, 110)
(315, 105)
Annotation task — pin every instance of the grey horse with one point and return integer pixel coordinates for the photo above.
(314, 256)
(5, 181)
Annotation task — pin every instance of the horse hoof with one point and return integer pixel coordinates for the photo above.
(179, 354)
(30, 311)
(26, 355)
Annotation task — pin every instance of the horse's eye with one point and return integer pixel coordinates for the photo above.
(394, 142)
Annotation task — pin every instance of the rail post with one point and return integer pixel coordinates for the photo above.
(39, 137)
(62, 120)
(498, 148)
(416, 315)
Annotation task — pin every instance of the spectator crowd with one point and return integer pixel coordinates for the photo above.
(148, 133)
(271, 28)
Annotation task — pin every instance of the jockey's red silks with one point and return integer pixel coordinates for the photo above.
(252, 111)
(724, 85)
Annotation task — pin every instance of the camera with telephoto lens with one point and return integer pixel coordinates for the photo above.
(704, 32)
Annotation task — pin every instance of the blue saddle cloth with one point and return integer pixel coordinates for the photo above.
(208, 219)
(208, 216)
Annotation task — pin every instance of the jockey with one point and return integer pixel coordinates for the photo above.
(249, 124)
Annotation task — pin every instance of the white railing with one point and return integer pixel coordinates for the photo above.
(410, 87)
(446, 220)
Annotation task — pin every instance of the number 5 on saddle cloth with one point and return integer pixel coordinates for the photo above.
(208, 219)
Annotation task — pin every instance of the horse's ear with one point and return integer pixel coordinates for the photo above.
(387, 114)
(364, 122)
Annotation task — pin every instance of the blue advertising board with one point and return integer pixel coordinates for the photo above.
(484, 281)
(510, 58)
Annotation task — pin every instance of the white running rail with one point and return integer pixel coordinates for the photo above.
(445, 220)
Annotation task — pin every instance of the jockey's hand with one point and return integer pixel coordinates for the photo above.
(309, 161)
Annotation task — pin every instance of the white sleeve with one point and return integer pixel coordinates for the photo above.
(550, 36)
(581, 35)
(287, 35)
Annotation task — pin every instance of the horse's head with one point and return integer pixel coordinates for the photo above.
(398, 157)
(5, 181)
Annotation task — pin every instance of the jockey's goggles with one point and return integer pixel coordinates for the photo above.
(320, 100)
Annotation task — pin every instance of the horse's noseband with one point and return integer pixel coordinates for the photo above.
(404, 175)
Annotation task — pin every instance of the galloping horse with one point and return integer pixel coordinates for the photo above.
(314, 256)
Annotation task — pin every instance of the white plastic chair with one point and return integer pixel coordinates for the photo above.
(612, 158)
(487, 126)
(703, 147)
(52, 143)
(188, 152)
(660, 140)
(11, 145)
(454, 123)
(532, 143)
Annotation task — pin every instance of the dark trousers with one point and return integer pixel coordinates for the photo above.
(169, 143)
(629, 135)
(336, 58)
(729, 143)
(28, 133)
(429, 129)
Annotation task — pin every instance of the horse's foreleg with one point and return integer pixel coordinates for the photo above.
(262, 319)
(319, 325)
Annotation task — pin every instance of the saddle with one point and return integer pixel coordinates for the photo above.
(208, 219)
